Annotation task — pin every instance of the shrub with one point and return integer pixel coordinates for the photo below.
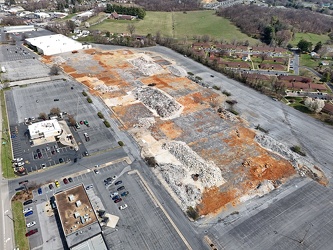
(198, 78)
(298, 150)
(151, 161)
(233, 111)
(226, 93)
(89, 100)
(216, 87)
(100, 115)
(84, 93)
(192, 213)
(190, 73)
(107, 124)
(121, 144)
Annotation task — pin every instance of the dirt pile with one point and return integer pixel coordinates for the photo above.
(146, 65)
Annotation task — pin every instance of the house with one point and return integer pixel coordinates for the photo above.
(314, 55)
(114, 15)
(324, 63)
(328, 108)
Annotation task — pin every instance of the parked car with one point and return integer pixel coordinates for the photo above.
(38, 150)
(17, 159)
(57, 184)
(27, 202)
(124, 193)
(120, 188)
(113, 194)
(26, 210)
(86, 123)
(35, 156)
(115, 197)
(96, 171)
(31, 224)
(40, 155)
(61, 160)
(28, 213)
(122, 207)
(65, 180)
(118, 200)
(40, 191)
(31, 232)
(89, 187)
(118, 182)
(51, 186)
(108, 179)
(70, 179)
(81, 122)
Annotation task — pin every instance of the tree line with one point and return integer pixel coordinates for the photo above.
(169, 5)
(132, 11)
(276, 26)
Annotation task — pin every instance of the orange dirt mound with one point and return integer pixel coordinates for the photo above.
(170, 130)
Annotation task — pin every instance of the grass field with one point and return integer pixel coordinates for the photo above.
(194, 23)
(314, 38)
(307, 60)
(6, 149)
(19, 226)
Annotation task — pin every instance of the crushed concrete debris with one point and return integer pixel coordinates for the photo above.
(209, 174)
(226, 115)
(300, 163)
(104, 88)
(177, 70)
(146, 65)
(153, 98)
(145, 122)
(174, 175)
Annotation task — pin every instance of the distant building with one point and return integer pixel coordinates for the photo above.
(55, 44)
(78, 219)
(43, 129)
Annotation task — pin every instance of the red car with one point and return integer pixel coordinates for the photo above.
(31, 232)
(118, 200)
(65, 180)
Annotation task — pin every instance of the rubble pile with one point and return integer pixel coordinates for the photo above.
(226, 115)
(59, 60)
(153, 98)
(177, 70)
(104, 88)
(209, 174)
(146, 66)
(188, 194)
(300, 164)
(145, 122)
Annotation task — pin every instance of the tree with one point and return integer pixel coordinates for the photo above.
(55, 111)
(318, 47)
(304, 45)
(314, 105)
(70, 25)
(71, 120)
(131, 28)
(54, 70)
(43, 116)
(268, 34)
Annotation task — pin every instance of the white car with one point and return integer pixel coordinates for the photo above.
(122, 207)
(18, 159)
(113, 194)
(31, 224)
(19, 164)
(26, 210)
(89, 187)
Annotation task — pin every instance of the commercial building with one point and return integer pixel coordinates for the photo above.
(55, 44)
(44, 129)
(78, 219)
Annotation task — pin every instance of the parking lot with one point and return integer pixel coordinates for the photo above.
(142, 225)
(34, 99)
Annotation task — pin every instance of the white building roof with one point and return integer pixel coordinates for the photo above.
(19, 28)
(55, 44)
(47, 128)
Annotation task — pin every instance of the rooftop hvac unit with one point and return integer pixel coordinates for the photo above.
(76, 215)
(71, 197)
(82, 219)
(78, 203)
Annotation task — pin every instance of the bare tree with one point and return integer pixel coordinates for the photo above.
(43, 116)
(71, 120)
(314, 105)
(55, 111)
(205, 38)
(131, 28)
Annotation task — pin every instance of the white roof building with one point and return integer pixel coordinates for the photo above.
(55, 44)
(44, 129)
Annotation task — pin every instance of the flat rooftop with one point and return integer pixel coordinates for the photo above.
(44, 127)
(78, 219)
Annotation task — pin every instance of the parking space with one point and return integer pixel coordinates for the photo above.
(23, 103)
(15, 53)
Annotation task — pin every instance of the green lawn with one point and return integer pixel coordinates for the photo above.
(6, 149)
(314, 38)
(306, 60)
(194, 23)
(19, 226)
